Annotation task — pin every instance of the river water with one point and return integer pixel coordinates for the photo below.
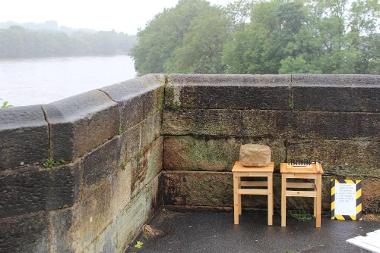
(41, 81)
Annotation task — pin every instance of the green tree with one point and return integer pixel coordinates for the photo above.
(329, 36)
(158, 41)
(338, 38)
(239, 12)
(363, 38)
(274, 36)
(261, 45)
(202, 46)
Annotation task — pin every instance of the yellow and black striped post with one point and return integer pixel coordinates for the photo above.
(358, 197)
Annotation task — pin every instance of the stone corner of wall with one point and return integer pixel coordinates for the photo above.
(77, 124)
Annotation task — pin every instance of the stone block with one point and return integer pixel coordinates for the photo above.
(140, 137)
(272, 124)
(217, 122)
(24, 192)
(121, 190)
(335, 80)
(214, 189)
(329, 125)
(137, 98)
(345, 93)
(303, 125)
(211, 154)
(130, 221)
(153, 197)
(202, 122)
(105, 242)
(91, 215)
(130, 142)
(277, 147)
(24, 234)
(146, 166)
(177, 123)
(339, 157)
(34, 189)
(60, 223)
(102, 162)
(24, 136)
(200, 153)
(265, 124)
(97, 217)
(336, 99)
(81, 123)
(255, 155)
(150, 130)
(227, 91)
(371, 195)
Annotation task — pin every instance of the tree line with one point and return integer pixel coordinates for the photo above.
(18, 42)
(258, 37)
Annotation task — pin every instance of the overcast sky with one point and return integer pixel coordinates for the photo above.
(120, 15)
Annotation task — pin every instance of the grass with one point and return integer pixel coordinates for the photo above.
(139, 244)
(49, 163)
(5, 105)
(300, 215)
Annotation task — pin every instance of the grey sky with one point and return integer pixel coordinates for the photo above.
(120, 15)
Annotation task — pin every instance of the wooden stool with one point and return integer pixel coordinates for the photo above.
(240, 171)
(313, 171)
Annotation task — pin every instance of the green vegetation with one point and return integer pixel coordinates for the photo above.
(300, 215)
(18, 42)
(5, 105)
(159, 40)
(49, 163)
(139, 244)
(258, 37)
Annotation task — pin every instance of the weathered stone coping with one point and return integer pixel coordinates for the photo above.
(69, 128)
(332, 93)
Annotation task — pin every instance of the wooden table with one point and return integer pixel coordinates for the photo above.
(313, 172)
(246, 187)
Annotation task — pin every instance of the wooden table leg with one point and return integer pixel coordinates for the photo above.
(240, 205)
(236, 199)
(283, 200)
(315, 199)
(270, 200)
(319, 201)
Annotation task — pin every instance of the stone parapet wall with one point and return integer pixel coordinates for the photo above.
(334, 119)
(81, 174)
(85, 173)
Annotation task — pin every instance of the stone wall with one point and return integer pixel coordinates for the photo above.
(84, 174)
(331, 118)
(81, 174)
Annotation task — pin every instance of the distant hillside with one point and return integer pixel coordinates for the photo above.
(48, 39)
(50, 25)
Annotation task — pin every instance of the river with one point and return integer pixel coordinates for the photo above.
(41, 81)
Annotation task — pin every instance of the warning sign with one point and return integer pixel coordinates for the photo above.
(346, 200)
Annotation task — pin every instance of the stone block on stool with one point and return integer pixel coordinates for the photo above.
(255, 155)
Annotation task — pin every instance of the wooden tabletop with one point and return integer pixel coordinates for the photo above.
(314, 168)
(238, 167)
